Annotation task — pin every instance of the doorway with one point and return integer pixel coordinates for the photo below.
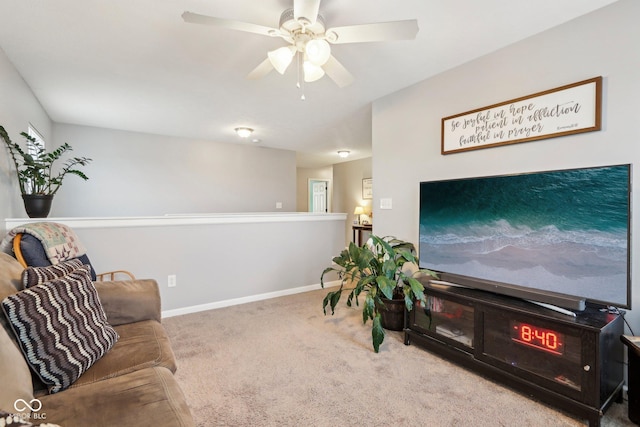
(319, 195)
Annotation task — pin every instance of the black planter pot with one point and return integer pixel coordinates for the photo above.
(37, 205)
(392, 314)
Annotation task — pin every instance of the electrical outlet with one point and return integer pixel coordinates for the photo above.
(278, 205)
(171, 281)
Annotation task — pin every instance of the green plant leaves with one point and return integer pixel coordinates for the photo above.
(331, 299)
(369, 309)
(326, 270)
(386, 286)
(377, 333)
(416, 288)
(375, 269)
(389, 268)
(34, 168)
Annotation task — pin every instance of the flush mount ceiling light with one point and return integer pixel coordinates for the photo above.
(343, 153)
(244, 132)
(308, 38)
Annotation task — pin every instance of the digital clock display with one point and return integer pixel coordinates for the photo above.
(533, 336)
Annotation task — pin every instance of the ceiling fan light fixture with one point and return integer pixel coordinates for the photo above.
(318, 51)
(303, 28)
(281, 58)
(312, 72)
(244, 132)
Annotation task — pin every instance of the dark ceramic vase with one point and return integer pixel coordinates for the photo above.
(37, 205)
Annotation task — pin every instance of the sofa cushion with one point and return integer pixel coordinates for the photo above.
(10, 283)
(32, 276)
(129, 301)
(61, 328)
(15, 374)
(148, 397)
(10, 275)
(141, 345)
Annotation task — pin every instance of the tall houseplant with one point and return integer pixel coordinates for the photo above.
(382, 269)
(36, 177)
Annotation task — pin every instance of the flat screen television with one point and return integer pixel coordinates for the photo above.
(557, 237)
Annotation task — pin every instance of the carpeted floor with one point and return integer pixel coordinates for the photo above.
(281, 362)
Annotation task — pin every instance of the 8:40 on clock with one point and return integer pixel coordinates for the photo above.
(541, 338)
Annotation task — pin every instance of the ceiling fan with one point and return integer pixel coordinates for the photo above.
(309, 39)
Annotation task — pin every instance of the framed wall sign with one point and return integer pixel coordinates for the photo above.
(367, 188)
(565, 110)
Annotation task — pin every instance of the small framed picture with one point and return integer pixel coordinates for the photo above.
(367, 188)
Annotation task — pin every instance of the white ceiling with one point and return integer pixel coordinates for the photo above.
(135, 65)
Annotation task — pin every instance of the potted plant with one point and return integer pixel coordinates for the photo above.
(385, 270)
(34, 168)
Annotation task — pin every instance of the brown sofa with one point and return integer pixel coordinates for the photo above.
(131, 385)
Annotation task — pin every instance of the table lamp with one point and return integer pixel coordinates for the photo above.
(358, 211)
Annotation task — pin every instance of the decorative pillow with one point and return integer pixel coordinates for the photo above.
(32, 276)
(61, 327)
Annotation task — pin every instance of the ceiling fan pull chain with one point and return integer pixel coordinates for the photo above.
(300, 83)
(298, 69)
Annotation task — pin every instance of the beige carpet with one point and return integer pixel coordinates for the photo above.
(281, 362)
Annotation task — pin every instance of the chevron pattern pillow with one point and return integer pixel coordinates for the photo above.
(32, 276)
(61, 327)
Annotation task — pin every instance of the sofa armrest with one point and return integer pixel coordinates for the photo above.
(128, 301)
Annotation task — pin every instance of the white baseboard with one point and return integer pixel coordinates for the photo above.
(244, 300)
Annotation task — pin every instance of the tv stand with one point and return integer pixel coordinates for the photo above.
(572, 363)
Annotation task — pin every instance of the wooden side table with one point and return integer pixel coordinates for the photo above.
(357, 232)
(633, 354)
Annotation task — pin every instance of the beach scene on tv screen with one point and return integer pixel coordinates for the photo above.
(561, 231)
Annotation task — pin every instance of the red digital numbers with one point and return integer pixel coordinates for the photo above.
(540, 338)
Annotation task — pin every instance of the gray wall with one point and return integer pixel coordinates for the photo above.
(302, 186)
(347, 195)
(406, 124)
(277, 255)
(217, 259)
(143, 174)
(345, 188)
(18, 108)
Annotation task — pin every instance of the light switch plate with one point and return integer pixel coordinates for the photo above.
(172, 280)
(386, 203)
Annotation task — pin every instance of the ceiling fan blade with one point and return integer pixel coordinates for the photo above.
(382, 31)
(261, 70)
(307, 9)
(195, 18)
(336, 71)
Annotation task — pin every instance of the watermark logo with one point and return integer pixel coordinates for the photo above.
(21, 405)
(27, 410)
